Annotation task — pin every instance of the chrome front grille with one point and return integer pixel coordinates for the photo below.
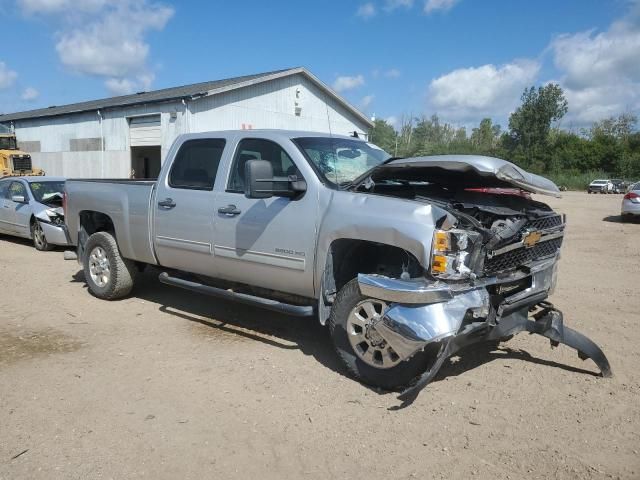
(549, 231)
(522, 256)
(545, 223)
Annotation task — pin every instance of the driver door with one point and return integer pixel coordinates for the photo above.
(267, 242)
(18, 214)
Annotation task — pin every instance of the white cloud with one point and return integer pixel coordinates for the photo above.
(366, 10)
(392, 73)
(390, 5)
(104, 38)
(600, 72)
(31, 7)
(393, 121)
(475, 92)
(126, 86)
(348, 83)
(439, 5)
(29, 94)
(366, 101)
(7, 76)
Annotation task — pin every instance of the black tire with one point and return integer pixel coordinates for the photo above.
(389, 379)
(122, 272)
(39, 240)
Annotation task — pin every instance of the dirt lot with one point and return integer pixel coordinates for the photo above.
(168, 384)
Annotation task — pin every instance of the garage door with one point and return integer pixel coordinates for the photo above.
(145, 131)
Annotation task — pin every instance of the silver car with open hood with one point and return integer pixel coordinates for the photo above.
(31, 207)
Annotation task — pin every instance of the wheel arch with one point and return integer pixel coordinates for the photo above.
(90, 222)
(348, 257)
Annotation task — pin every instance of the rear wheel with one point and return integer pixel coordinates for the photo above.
(39, 240)
(108, 275)
(362, 350)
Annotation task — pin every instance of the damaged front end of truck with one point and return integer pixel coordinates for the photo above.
(493, 262)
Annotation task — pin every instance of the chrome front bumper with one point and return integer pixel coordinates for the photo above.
(56, 234)
(421, 313)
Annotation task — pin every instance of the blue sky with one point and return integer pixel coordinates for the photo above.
(464, 59)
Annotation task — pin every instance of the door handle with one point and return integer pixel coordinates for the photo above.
(167, 203)
(229, 210)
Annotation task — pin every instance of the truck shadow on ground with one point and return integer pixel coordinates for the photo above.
(304, 334)
(477, 355)
(228, 318)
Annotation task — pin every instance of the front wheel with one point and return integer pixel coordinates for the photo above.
(362, 350)
(108, 275)
(39, 240)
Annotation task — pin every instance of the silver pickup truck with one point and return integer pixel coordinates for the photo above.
(406, 260)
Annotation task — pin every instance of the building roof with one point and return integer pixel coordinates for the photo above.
(195, 90)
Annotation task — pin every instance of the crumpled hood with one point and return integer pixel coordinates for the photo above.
(465, 171)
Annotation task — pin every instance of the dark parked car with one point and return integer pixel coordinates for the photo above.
(619, 186)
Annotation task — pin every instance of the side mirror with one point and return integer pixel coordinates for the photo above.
(18, 198)
(259, 182)
(258, 177)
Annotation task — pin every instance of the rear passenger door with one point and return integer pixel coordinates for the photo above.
(184, 207)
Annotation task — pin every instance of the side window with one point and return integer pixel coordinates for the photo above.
(196, 164)
(17, 188)
(259, 149)
(4, 190)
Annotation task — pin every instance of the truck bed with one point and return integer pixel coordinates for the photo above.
(127, 205)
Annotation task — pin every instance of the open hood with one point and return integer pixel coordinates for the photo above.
(465, 171)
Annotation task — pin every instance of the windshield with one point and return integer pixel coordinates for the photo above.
(340, 161)
(599, 182)
(47, 192)
(8, 143)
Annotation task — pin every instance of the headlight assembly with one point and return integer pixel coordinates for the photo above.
(54, 217)
(451, 253)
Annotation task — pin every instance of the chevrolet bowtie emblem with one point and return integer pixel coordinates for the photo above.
(531, 238)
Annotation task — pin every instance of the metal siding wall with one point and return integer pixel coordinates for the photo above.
(54, 135)
(265, 105)
(272, 105)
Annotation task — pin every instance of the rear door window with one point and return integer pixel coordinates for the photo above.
(196, 164)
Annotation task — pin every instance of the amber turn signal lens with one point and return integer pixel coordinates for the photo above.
(439, 264)
(441, 242)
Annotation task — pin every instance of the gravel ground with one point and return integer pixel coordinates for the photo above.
(169, 384)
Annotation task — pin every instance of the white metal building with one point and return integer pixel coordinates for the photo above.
(117, 136)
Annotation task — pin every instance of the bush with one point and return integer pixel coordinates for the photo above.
(575, 180)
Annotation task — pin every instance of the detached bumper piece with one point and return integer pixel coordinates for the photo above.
(546, 321)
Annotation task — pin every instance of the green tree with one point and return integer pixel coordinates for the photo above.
(486, 136)
(530, 125)
(383, 135)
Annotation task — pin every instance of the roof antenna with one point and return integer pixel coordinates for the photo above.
(326, 105)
